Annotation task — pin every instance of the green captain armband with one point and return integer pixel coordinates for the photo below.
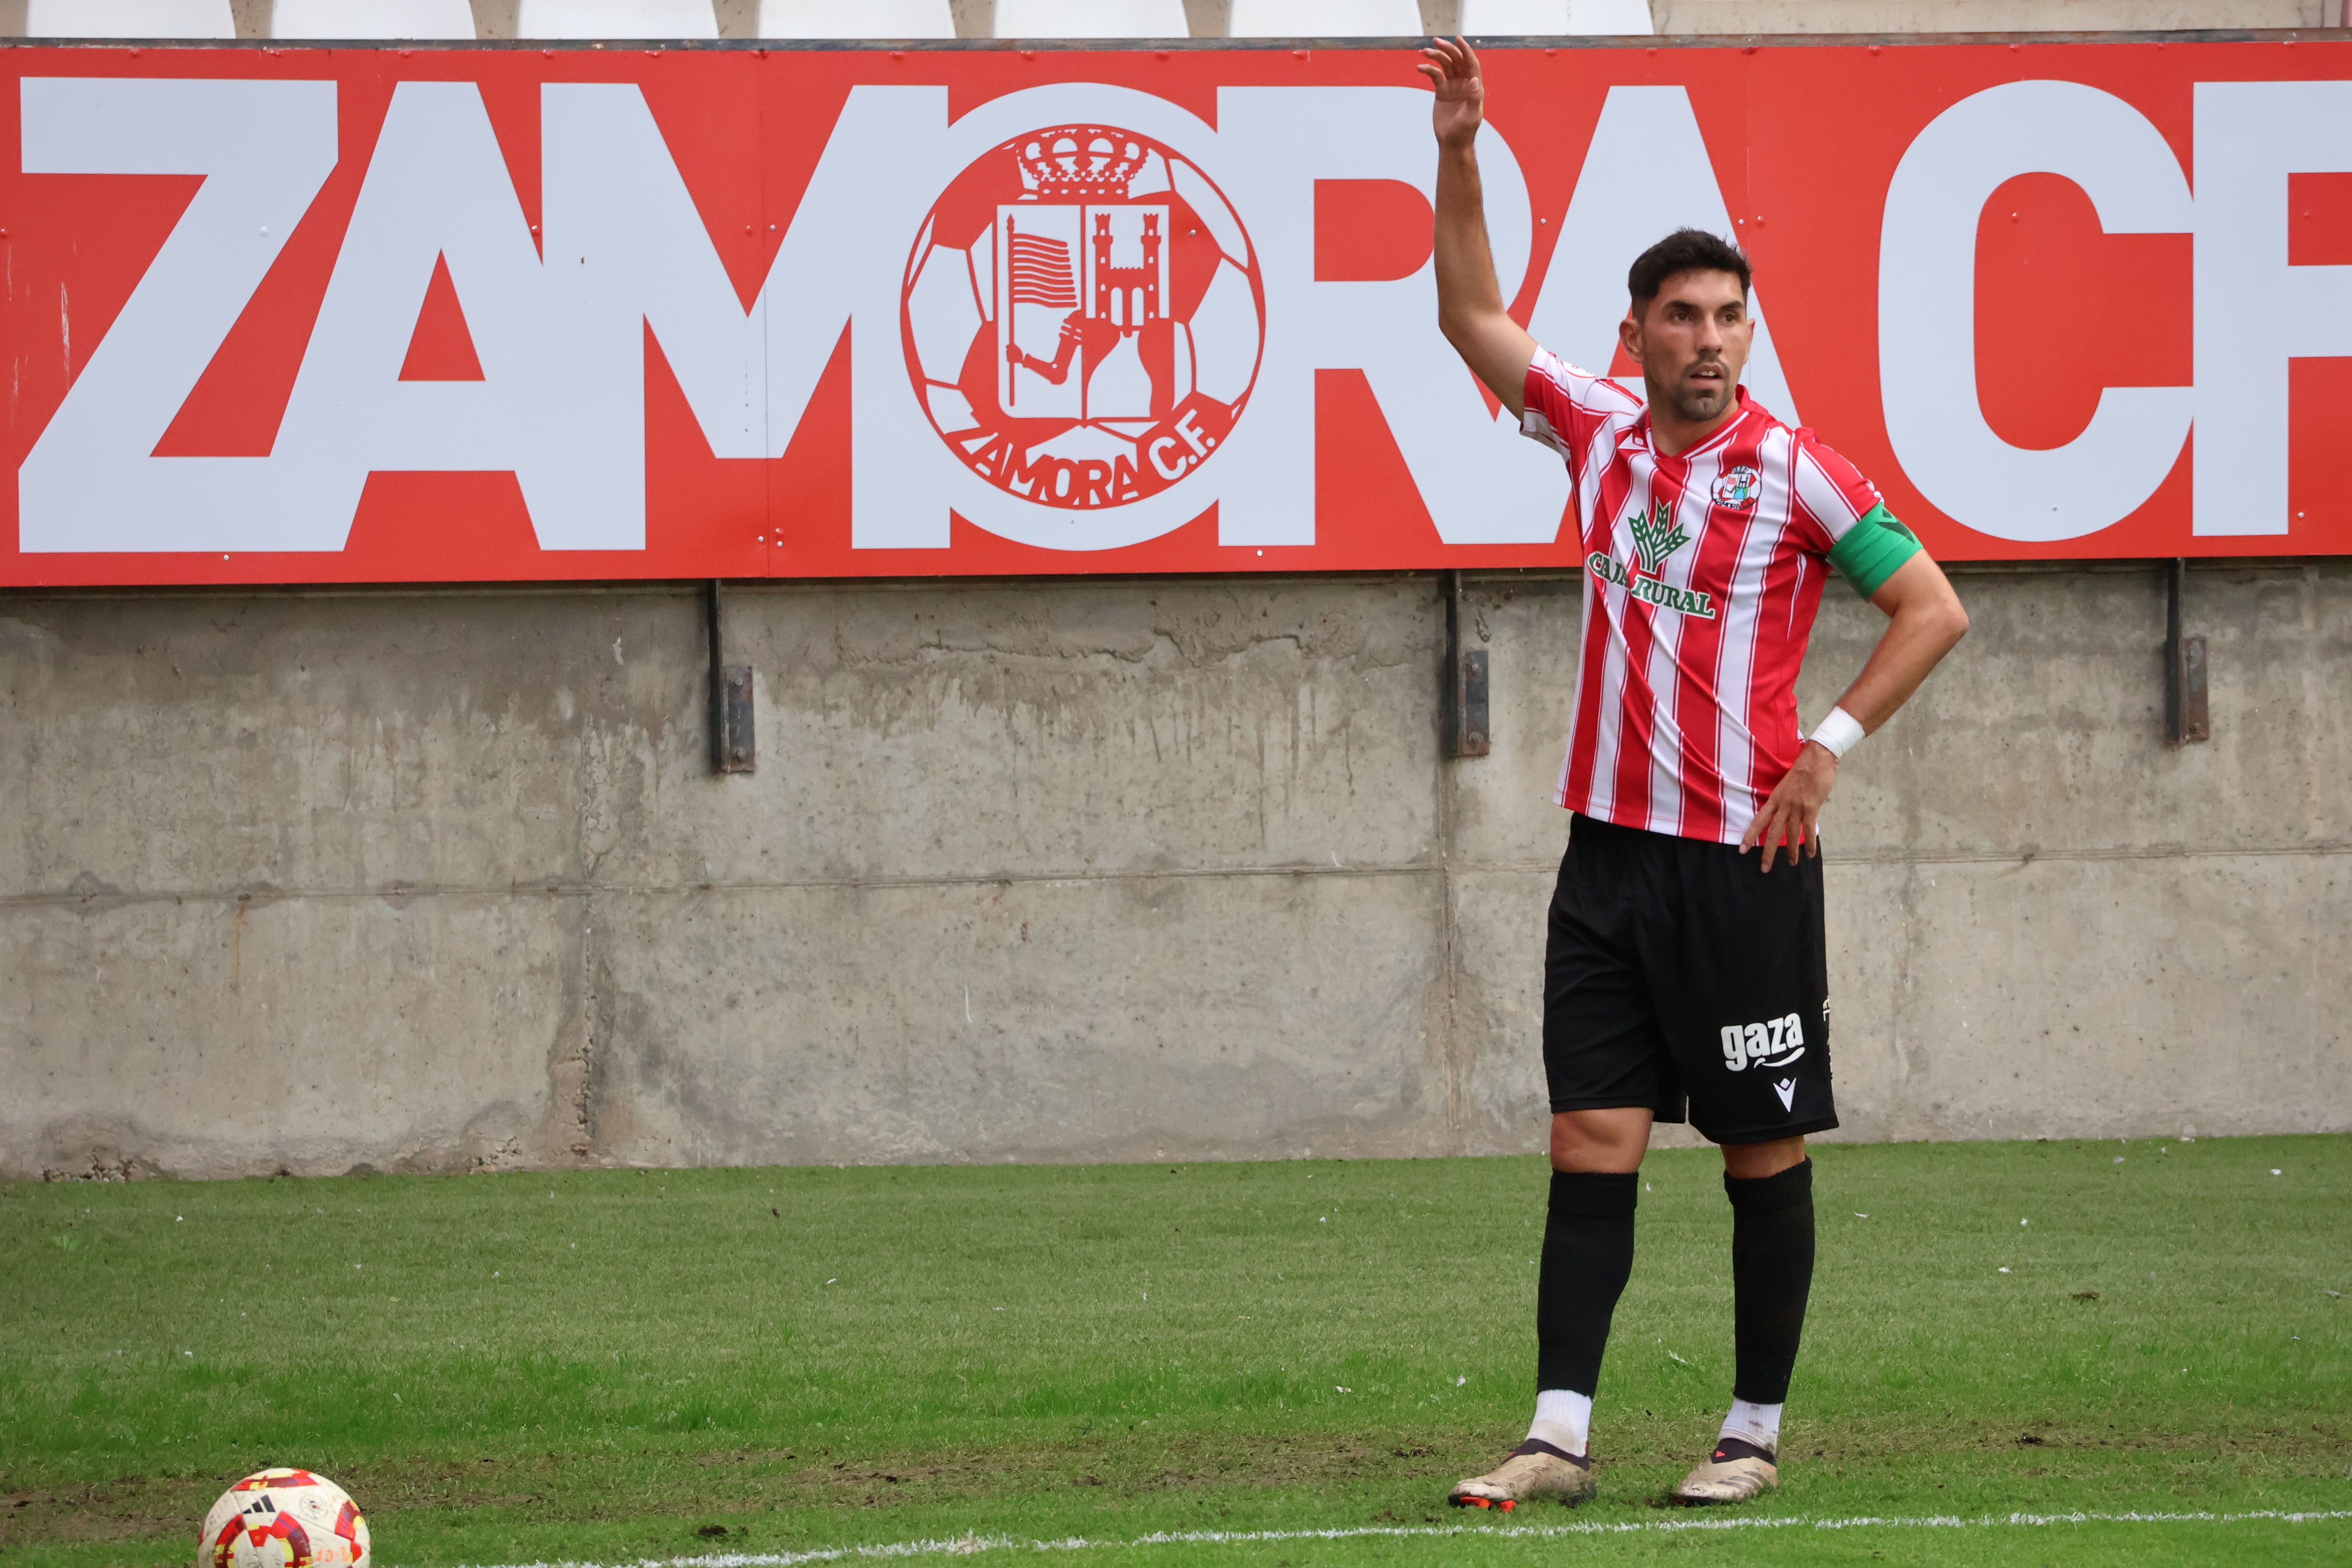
(1872, 549)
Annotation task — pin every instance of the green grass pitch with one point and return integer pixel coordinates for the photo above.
(614, 1366)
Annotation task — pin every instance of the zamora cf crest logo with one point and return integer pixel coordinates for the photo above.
(1083, 317)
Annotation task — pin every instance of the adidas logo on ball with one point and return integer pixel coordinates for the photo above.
(284, 1519)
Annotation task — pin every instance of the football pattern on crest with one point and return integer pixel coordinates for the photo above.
(284, 1519)
(1083, 317)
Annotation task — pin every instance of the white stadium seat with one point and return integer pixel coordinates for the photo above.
(129, 19)
(854, 19)
(616, 19)
(1325, 19)
(371, 19)
(1537, 18)
(1090, 18)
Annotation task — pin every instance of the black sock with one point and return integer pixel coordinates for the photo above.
(1588, 1252)
(1772, 1275)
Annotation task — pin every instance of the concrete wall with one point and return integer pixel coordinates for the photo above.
(1083, 870)
(1096, 870)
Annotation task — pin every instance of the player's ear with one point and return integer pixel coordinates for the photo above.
(1629, 333)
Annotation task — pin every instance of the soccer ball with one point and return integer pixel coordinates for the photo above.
(284, 1519)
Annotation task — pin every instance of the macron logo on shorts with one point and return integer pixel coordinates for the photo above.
(1775, 1043)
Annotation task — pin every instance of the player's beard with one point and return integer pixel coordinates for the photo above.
(1699, 403)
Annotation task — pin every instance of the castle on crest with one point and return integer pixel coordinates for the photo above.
(1127, 296)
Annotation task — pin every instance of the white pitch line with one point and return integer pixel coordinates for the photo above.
(967, 1545)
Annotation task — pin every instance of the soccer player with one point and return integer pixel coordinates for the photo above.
(1678, 973)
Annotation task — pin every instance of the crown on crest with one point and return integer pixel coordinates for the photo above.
(1078, 163)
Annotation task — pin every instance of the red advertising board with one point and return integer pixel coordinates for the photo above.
(387, 314)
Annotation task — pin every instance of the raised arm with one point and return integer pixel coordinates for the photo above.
(1469, 300)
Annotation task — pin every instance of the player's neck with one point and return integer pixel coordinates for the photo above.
(1671, 435)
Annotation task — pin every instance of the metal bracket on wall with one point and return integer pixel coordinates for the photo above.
(1462, 687)
(732, 747)
(2186, 722)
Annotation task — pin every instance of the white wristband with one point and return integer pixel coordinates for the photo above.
(1838, 730)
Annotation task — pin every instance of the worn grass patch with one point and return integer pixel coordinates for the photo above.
(608, 1364)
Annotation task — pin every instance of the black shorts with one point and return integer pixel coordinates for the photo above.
(1675, 970)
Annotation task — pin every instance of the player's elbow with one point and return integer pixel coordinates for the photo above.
(1950, 621)
(1458, 325)
(1921, 597)
(1467, 323)
(1951, 614)
(1482, 338)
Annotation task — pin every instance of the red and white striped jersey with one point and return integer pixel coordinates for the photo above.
(1702, 572)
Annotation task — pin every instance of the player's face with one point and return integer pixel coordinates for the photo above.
(1692, 343)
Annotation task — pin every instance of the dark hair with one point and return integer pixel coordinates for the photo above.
(1685, 251)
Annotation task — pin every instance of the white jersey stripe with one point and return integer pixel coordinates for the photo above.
(1818, 495)
(1668, 809)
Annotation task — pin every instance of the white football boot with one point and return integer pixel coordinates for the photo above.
(1735, 1472)
(1535, 1470)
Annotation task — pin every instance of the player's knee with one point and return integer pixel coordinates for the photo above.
(1610, 1141)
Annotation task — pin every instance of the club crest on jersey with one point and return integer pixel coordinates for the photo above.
(1656, 536)
(1738, 488)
